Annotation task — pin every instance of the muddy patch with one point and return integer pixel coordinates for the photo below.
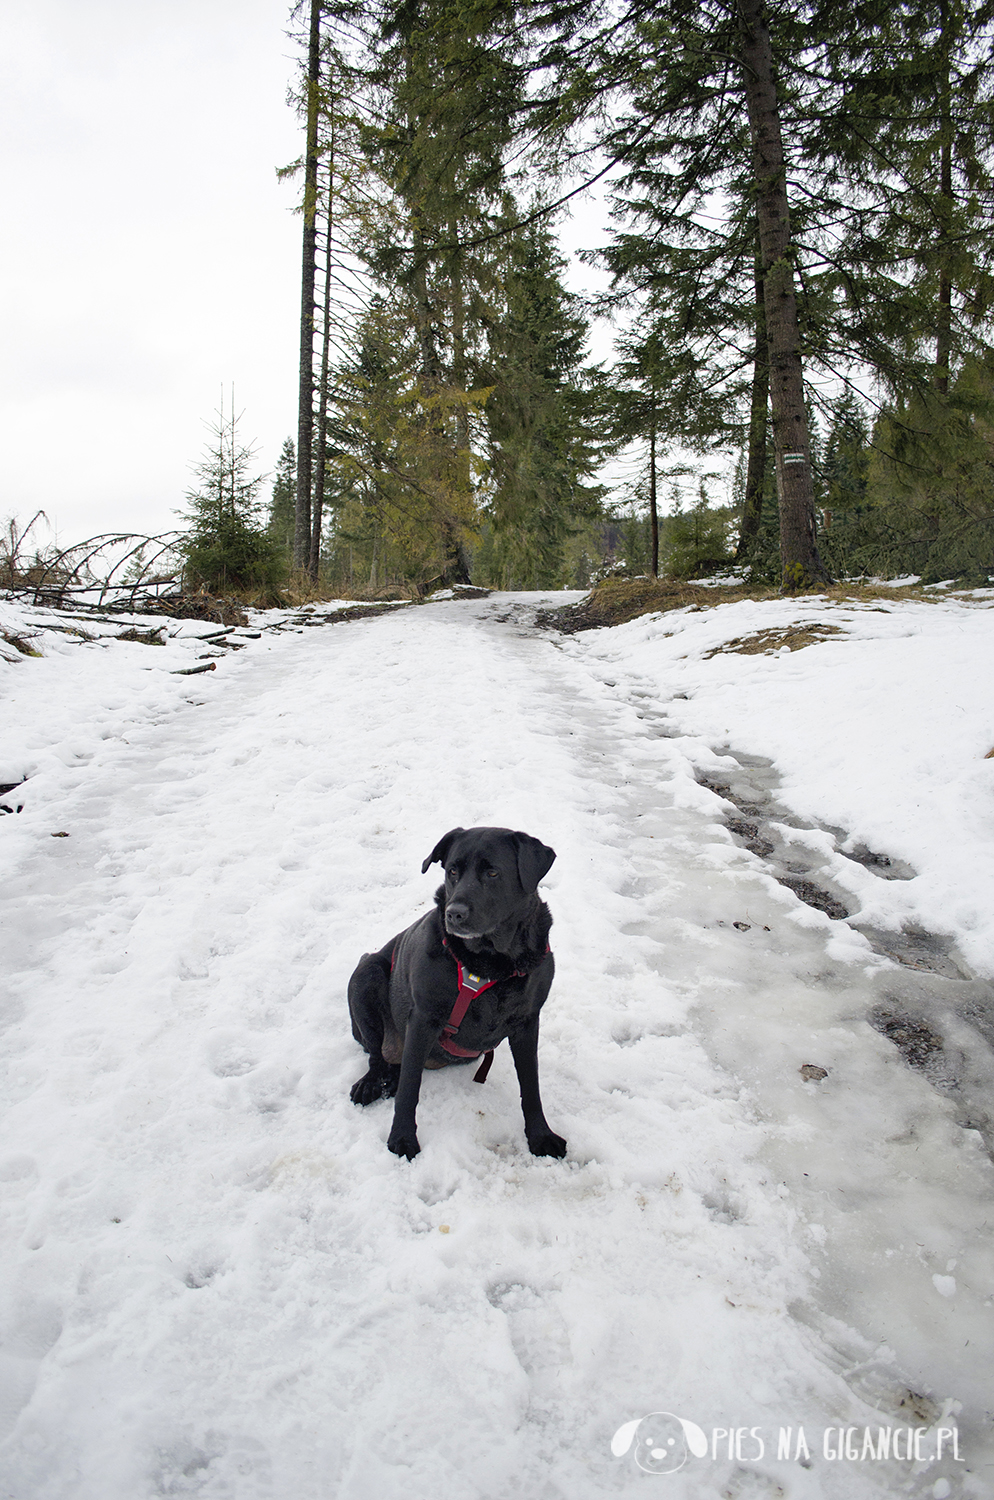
(813, 895)
(914, 949)
(929, 1006)
(915, 1040)
(766, 642)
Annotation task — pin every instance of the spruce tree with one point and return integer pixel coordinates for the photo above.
(707, 122)
(540, 415)
(225, 546)
(282, 505)
(907, 146)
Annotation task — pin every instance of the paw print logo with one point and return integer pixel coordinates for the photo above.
(663, 1442)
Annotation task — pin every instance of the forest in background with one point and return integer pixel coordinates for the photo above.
(799, 283)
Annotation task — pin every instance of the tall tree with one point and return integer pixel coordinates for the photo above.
(450, 87)
(705, 133)
(305, 391)
(637, 414)
(758, 432)
(282, 505)
(799, 557)
(907, 145)
(541, 414)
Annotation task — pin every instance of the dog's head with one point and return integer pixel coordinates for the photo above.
(489, 873)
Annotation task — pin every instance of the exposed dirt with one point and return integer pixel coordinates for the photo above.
(618, 600)
(813, 895)
(750, 836)
(915, 1041)
(361, 612)
(764, 642)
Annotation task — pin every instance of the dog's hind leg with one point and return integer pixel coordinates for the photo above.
(369, 1007)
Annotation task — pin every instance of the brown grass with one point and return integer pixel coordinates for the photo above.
(765, 641)
(616, 601)
(19, 644)
(301, 589)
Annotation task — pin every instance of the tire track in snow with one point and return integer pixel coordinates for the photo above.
(225, 1284)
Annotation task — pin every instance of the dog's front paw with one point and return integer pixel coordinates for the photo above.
(403, 1145)
(546, 1144)
(376, 1085)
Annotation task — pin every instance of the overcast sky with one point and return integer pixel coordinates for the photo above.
(149, 254)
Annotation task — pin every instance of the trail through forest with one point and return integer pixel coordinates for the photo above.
(219, 1281)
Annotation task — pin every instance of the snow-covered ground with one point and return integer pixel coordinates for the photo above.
(218, 1282)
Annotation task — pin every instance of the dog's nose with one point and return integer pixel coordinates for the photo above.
(457, 911)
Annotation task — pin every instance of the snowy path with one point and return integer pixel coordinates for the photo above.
(220, 1283)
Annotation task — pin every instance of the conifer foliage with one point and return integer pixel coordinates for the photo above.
(226, 548)
(454, 408)
(802, 235)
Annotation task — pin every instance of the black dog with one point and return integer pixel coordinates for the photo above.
(475, 970)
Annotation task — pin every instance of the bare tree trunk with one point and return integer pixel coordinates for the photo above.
(321, 456)
(305, 401)
(801, 565)
(459, 570)
(944, 325)
(653, 508)
(759, 419)
(944, 329)
(455, 559)
(458, 341)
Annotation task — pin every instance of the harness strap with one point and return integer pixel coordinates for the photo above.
(480, 1076)
(470, 985)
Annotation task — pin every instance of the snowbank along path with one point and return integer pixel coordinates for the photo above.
(219, 1282)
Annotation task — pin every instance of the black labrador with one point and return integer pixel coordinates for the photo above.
(473, 971)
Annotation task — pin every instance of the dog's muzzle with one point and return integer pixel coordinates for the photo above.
(456, 923)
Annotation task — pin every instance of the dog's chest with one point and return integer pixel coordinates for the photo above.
(493, 1012)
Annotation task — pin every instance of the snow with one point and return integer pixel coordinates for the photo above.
(883, 731)
(220, 1283)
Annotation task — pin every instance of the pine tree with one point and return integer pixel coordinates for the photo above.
(907, 143)
(308, 284)
(225, 546)
(884, 117)
(847, 460)
(697, 541)
(707, 120)
(450, 90)
(400, 475)
(282, 506)
(333, 95)
(540, 416)
(639, 413)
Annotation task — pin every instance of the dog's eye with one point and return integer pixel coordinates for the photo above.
(493, 874)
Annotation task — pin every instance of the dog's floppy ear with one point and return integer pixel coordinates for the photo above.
(534, 860)
(441, 849)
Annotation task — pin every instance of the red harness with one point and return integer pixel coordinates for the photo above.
(470, 985)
